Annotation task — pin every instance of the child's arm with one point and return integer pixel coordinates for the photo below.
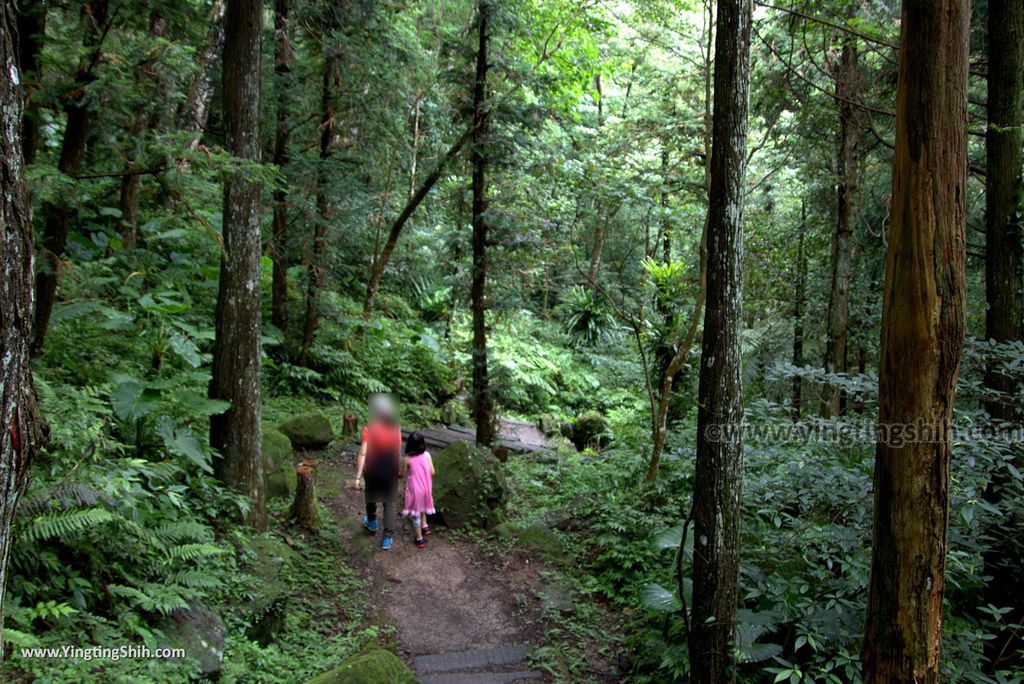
(430, 460)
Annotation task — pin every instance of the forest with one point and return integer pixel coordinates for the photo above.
(711, 313)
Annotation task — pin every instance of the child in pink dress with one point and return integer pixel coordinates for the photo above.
(419, 492)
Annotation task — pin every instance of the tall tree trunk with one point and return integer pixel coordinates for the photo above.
(31, 36)
(143, 118)
(847, 80)
(1004, 287)
(600, 230)
(59, 212)
(236, 434)
(799, 299)
(283, 58)
(381, 262)
(483, 402)
(196, 108)
(922, 340)
(329, 125)
(719, 467)
(22, 430)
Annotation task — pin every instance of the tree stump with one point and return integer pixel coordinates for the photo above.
(303, 511)
(350, 425)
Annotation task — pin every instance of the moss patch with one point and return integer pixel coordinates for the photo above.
(308, 430)
(374, 667)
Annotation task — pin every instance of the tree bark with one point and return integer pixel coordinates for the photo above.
(847, 89)
(31, 36)
(236, 434)
(303, 511)
(1004, 283)
(329, 117)
(58, 213)
(922, 340)
(283, 58)
(143, 119)
(719, 464)
(483, 402)
(799, 300)
(381, 262)
(196, 108)
(21, 429)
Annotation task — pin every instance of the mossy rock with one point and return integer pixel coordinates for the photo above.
(267, 609)
(373, 667)
(550, 424)
(469, 487)
(544, 540)
(278, 469)
(200, 632)
(308, 430)
(590, 429)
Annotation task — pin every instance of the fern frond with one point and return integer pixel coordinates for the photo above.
(63, 523)
(188, 552)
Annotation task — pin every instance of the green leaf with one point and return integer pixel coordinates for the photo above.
(657, 598)
(133, 400)
(182, 441)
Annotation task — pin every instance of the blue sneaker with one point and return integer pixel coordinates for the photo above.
(385, 545)
(370, 525)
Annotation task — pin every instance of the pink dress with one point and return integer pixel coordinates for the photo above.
(419, 487)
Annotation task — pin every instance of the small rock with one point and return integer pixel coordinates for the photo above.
(556, 599)
(543, 539)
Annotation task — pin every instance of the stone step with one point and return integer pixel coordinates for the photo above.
(471, 660)
(480, 677)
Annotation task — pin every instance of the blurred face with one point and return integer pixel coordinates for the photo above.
(383, 407)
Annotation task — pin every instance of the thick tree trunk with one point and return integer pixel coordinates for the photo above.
(21, 429)
(1004, 287)
(236, 434)
(922, 340)
(31, 30)
(719, 467)
(483, 402)
(381, 262)
(196, 108)
(283, 58)
(847, 80)
(58, 213)
(329, 124)
(799, 300)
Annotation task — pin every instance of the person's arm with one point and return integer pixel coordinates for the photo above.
(430, 460)
(360, 462)
(400, 460)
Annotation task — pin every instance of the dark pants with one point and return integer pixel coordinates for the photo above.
(382, 487)
(389, 515)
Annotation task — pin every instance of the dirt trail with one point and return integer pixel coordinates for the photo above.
(449, 597)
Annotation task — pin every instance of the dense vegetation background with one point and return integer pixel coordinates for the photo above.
(412, 219)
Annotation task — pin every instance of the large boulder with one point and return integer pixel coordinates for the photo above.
(373, 667)
(267, 609)
(200, 632)
(308, 430)
(278, 469)
(589, 429)
(469, 487)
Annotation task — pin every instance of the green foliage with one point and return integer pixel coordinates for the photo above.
(588, 320)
